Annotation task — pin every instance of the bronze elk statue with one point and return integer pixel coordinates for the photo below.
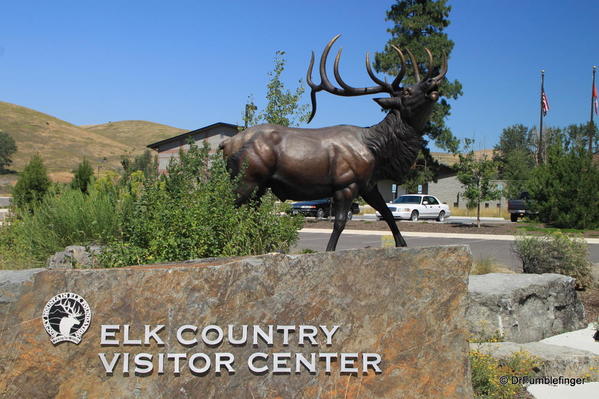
(342, 162)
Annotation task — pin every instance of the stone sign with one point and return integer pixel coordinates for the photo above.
(373, 323)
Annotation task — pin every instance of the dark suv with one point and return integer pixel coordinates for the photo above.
(320, 209)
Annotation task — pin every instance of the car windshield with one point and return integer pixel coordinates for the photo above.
(407, 199)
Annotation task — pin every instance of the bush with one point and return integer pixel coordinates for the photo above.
(59, 220)
(189, 213)
(555, 253)
(486, 372)
(32, 185)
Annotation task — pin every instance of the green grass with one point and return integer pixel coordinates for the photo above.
(535, 227)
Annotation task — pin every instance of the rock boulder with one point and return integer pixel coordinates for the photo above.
(404, 305)
(523, 307)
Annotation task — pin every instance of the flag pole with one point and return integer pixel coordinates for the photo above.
(592, 126)
(540, 149)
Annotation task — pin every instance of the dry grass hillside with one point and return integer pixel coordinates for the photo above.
(63, 145)
(450, 159)
(135, 134)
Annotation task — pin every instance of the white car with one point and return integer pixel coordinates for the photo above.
(418, 206)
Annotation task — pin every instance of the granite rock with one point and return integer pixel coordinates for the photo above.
(407, 305)
(75, 256)
(522, 307)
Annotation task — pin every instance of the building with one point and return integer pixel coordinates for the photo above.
(211, 134)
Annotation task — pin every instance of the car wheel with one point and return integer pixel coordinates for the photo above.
(514, 217)
(320, 214)
(350, 215)
(441, 217)
(414, 216)
(379, 218)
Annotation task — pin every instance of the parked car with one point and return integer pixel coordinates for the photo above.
(519, 207)
(418, 206)
(320, 209)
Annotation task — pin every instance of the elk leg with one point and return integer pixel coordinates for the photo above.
(341, 209)
(375, 200)
(342, 201)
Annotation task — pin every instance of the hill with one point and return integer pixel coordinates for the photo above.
(62, 145)
(135, 134)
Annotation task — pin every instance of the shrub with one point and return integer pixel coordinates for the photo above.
(62, 219)
(555, 253)
(189, 213)
(32, 184)
(486, 372)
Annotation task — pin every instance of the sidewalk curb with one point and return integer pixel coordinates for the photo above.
(494, 237)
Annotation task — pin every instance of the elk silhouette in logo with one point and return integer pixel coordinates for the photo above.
(342, 162)
(70, 319)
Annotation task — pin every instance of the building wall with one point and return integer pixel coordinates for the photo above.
(448, 190)
(212, 137)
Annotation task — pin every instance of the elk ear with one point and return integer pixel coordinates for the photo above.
(388, 102)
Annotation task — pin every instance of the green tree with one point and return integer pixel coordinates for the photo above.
(82, 176)
(425, 170)
(146, 163)
(418, 24)
(32, 185)
(283, 106)
(515, 157)
(7, 148)
(565, 189)
(475, 175)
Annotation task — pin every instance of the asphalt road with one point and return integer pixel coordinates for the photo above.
(500, 251)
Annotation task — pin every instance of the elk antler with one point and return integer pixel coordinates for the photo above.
(347, 90)
(69, 310)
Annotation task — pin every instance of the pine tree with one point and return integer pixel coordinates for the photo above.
(32, 185)
(83, 176)
(419, 24)
(7, 148)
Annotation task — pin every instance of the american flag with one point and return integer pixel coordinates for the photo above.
(544, 103)
(595, 100)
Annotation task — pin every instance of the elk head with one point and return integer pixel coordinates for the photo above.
(414, 102)
(70, 319)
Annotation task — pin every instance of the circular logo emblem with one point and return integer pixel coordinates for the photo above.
(66, 317)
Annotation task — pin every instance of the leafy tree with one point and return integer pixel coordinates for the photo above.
(419, 24)
(475, 175)
(146, 163)
(565, 189)
(7, 148)
(283, 106)
(83, 176)
(515, 157)
(32, 185)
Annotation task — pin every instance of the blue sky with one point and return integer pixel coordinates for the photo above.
(192, 63)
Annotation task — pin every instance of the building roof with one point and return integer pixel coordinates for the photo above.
(157, 144)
